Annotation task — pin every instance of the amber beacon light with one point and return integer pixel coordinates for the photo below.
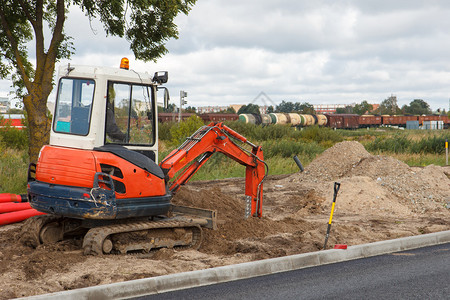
(124, 63)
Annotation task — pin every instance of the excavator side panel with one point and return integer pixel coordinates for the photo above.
(66, 166)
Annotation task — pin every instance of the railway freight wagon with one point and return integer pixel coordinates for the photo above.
(397, 120)
(293, 119)
(218, 117)
(369, 121)
(343, 121)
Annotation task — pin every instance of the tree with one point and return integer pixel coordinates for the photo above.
(249, 109)
(285, 107)
(170, 108)
(305, 108)
(362, 108)
(230, 110)
(417, 107)
(270, 109)
(190, 109)
(345, 110)
(389, 106)
(146, 24)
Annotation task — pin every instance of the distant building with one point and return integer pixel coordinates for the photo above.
(328, 108)
(4, 104)
(211, 109)
(236, 107)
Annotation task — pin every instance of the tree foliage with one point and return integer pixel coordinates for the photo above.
(147, 25)
(289, 107)
(190, 109)
(184, 129)
(417, 107)
(389, 106)
(249, 109)
(304, 108)
(363, 108)
(348, 109)
(285, 107)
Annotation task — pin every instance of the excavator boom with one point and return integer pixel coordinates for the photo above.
(207, 140)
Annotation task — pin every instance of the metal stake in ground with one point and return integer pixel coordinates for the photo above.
(337, 185)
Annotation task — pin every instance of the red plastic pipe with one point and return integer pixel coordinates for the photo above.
(7, 197)
(11, 206)
(18, 216)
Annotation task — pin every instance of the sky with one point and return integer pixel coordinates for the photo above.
(320, 52)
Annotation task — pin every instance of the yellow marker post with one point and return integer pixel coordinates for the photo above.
(446, 152)
(337, 185)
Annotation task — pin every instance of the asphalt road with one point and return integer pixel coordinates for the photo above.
(416, 274)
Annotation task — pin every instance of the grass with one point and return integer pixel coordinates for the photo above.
(419, 160)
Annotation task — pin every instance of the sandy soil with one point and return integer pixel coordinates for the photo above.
(380, 198)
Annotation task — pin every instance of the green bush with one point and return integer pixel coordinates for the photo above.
(13, 171)
(14, 138)
(320, 135)
(395, 144)
(400, 143)
(261, 133)
(164, 130)
(184, 129)
(289, 148)
(433, 144)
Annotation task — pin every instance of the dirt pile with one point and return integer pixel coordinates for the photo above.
(336, 161)
(378, 180)
(380, 198)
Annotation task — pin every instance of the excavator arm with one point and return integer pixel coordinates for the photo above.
(198, 148)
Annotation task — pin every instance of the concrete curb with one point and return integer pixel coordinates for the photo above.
(160, 284)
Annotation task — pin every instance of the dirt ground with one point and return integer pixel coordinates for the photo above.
(380, 198)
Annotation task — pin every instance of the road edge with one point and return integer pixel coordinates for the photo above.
(172, 282)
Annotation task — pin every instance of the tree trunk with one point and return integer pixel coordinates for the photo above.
(38, 121)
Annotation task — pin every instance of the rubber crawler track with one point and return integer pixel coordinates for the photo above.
(31, 229)
(93, 240)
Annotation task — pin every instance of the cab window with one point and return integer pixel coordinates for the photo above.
(129, 114)
(74, 106)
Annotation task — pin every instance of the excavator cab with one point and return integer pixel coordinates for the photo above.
(96, 107)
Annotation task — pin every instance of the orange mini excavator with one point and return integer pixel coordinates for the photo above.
(99, 177)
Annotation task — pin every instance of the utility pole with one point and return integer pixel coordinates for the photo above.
(183, 94)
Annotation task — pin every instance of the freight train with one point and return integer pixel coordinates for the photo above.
(338, 121)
